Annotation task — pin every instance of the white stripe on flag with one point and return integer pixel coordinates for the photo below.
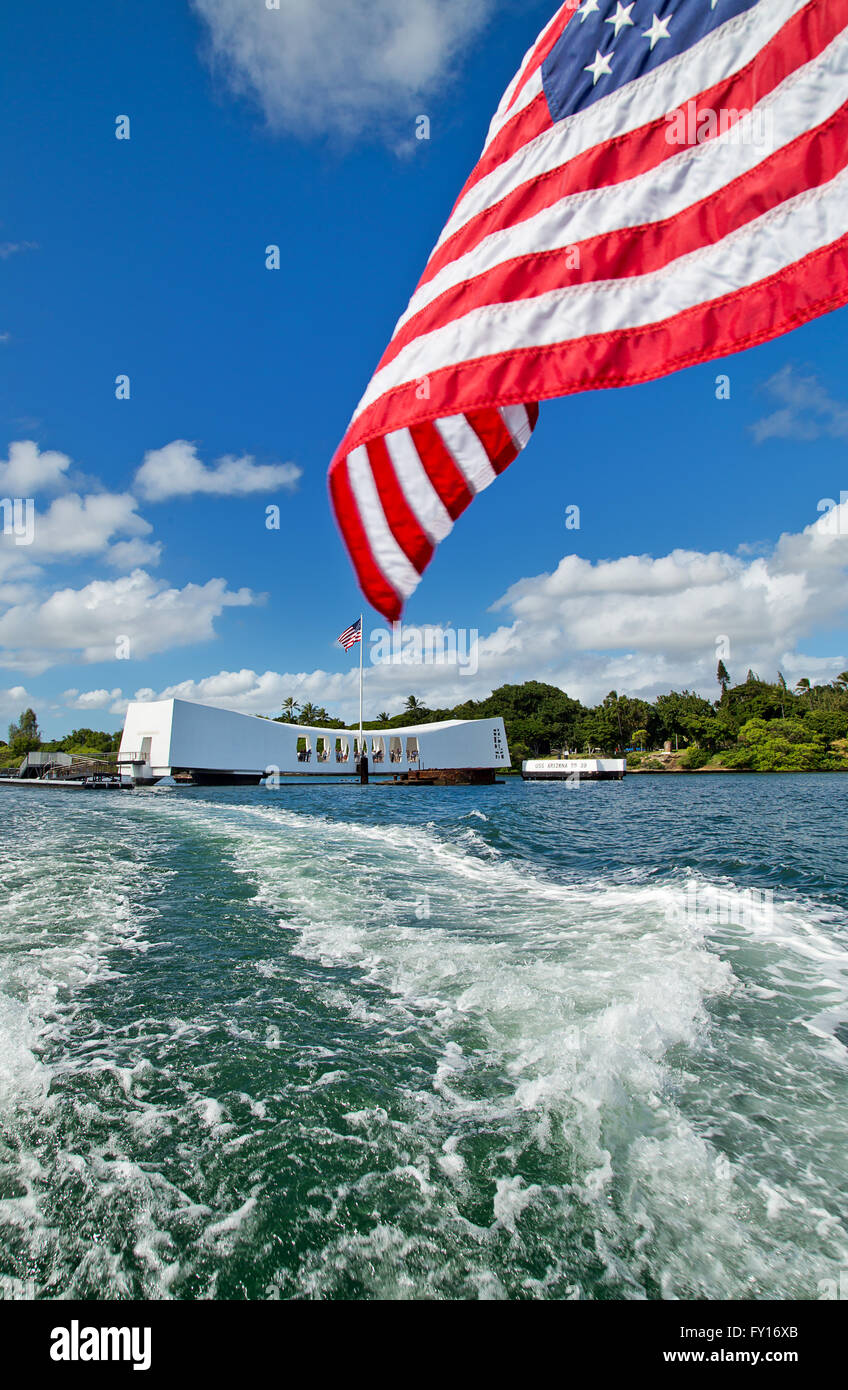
(761, 248)
(417, 488)
(467, 452)
(517, 421)
(393, 562)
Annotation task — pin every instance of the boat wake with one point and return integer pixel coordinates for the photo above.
(415, 1066)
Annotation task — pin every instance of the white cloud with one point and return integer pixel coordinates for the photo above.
(12, 700)
(807, 410)
(130, 555)
(641, 623)
(264, 694)
(13, 248)
(637, 624)
(176, 471)
(85, 625)
(74, 528)
(74, 525)
(13, 593)
(318, 66)
(28, 471)
(250, 692)
(818, 669)
(90, 699)
(17, 567)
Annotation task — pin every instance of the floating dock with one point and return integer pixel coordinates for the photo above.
(67, 772)
(70, 784)
(574, 770)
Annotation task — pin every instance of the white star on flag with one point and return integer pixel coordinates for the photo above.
(658, 30)
(621, 16)
(600, 67)
(588, 8)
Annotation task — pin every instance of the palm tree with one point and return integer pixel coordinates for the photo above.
(803, 687)
(412, 705)
(289, 710)
(841, 681)
(308, 714)
(384, 717)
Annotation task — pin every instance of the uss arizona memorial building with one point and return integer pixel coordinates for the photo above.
(178, 738)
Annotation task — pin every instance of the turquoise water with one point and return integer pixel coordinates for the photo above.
(526, 1041)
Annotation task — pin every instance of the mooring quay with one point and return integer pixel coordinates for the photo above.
(66, 772)
(208, 746)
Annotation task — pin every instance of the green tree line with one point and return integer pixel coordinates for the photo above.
(757, 725)
(25, 737)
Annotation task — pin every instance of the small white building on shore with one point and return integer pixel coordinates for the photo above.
(178, 738)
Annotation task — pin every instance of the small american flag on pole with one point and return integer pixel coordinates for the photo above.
(351, 635)
(663, 183)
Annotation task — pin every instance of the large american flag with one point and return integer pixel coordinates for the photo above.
(663, 183)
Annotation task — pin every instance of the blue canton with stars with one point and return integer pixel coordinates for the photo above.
(607, 44)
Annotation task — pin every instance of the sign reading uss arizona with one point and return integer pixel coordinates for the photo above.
(574, 769)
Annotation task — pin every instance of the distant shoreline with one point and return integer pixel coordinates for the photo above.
(735, 771)
(717, 771)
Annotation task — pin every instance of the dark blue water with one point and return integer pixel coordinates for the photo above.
(527, 1041)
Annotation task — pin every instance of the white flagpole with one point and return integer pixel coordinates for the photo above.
(361, 645)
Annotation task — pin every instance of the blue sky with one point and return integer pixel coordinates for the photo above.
(147, 257)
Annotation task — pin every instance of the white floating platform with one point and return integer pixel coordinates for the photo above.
(70, 784)
(574, 769)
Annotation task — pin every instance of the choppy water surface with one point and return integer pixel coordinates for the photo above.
(527, 1041)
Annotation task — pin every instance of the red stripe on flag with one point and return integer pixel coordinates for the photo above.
(550, 38)
(524, 127)
(813, 158)
(799, 292)
(496, 439)
(449, 482)
(404, 524)
(373, 582)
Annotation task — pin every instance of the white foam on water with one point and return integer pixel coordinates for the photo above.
(230, 1225)
(211, 1112)
(74, 915)
(577, 1021)
(587, 1098)
(21, 1071)
(62, 918)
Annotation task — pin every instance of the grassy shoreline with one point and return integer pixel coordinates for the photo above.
(736, 771)
(715, 767)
